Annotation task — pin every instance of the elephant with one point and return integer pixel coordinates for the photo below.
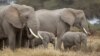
(61, 20)
(2, 44)
(70, 39)
(45, 39)
(13, 19)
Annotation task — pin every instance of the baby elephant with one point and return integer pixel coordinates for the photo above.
(77, 39)
(45, 38)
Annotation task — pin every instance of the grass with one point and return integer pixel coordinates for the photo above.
(93, 50)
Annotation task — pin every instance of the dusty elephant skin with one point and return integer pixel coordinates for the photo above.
(78, 39)
(45, 39)
(13, 18)
(61, 20)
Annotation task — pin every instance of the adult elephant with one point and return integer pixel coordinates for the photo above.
(15, 17)
(61, 20)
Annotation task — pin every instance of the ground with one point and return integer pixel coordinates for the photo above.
(93, 50)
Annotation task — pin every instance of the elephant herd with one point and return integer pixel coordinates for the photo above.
(22, 26)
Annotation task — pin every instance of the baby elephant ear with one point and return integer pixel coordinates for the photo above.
(13, 17)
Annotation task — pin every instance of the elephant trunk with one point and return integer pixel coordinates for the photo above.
(85, 27)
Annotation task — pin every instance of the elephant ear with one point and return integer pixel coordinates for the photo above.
(12, 16)
(67, 16)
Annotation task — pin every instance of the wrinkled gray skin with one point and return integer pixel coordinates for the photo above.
(13, 18)
(47, 38)
(60, 21)
(78, 39)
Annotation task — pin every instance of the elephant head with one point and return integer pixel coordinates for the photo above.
(74, 17)
(20, 16)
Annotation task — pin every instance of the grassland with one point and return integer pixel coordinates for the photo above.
(93, 50)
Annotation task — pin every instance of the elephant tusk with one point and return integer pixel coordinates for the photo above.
(33, 33)
(85, 30)
(40, 36)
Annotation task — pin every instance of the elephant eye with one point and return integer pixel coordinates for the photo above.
(26, 17)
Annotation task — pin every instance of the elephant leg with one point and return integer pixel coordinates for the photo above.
(1, 44)
(58, 44)
(45, 44)
(11, 39)
(25, 38)
(78, 45)
(9, 31)
(27, 43)
(31, 43)
(6, 43)
(84, 45)
(24, 42)
(18, 39)
(65, 47)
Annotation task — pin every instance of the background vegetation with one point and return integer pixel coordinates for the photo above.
(91, 7)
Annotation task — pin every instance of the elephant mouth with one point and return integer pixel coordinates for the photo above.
(37, 36)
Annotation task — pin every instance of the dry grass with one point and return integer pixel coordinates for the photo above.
(93, 50)
(94, 44)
